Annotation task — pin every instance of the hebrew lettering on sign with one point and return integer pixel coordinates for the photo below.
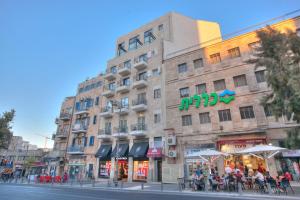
(208, 99)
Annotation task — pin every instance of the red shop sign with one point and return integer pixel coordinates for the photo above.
(154, 153)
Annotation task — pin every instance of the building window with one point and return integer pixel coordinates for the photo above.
(148, 37)
(253, 46)
(112, 86)
(220, 85)
(97, 101)
(201, 88)
(113, 69)
(260, 76)
(133, 43)
(95, 119)
(92, 139)
(156, 118)
(247, 112)
(215, 58)
(157, 93)
(184, 92)
(204, 118)
(240, 80)
(126, 81)
(142, 76)
(234, 52)
(198, 63)
(155, 72)
(127, 64)
(161, 27)
(124, 102)
(224, 115)
(85, 141)
(121, 49)
(186, 120)
(268, 111)
(182, 68)
(143, 57)
(158, 142)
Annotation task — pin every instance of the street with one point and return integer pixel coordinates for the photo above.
(29, 192)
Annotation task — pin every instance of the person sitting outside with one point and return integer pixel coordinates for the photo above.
(231, 182)
(259, 179)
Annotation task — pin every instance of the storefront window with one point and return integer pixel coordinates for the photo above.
(140, 170)
(104, 169)
(123, 169)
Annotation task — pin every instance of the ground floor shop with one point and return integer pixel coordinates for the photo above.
(289, 161)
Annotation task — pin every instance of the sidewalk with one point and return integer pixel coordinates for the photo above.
(161, 188)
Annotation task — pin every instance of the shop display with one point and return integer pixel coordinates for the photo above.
(140, 170)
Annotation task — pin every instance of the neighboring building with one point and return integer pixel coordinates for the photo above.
(226, 126)
(16, 143)
(57, 156)
(134, 80)
(82, 142)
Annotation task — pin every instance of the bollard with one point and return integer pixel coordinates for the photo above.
(108, 183)
(142, 186)
(179, 186)
(162, 186)
(240, 190)
(122, 184)
(93, 182)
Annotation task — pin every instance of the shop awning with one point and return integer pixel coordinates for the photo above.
(139, 150)
(122, 151)
(154, 153)
(104, 152)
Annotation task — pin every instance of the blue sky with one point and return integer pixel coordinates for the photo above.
(48, 46)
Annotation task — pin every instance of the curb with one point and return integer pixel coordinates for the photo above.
(166, 192)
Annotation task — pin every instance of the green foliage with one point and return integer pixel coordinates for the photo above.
(279, 53)
(5, 128)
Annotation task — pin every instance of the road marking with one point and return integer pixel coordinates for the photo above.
(136, 187)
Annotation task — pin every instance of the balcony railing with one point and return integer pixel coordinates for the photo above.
(123, 87)
(138, 129)
(82, 110)
(121, 131)
(140, 63)
(106, 111)
(110, 74)
(79, 128)
(124, 70)
(62, 133)
(76, 150)
(65, 116)
(108, 91)
(139, 105)
(123, 110)
(140, 81)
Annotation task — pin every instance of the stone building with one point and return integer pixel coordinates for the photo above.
(214, 123)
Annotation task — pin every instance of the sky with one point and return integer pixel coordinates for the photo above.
(47, 47)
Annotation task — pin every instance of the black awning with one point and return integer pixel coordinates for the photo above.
(139, 150)
(122, 152)
(104, 152)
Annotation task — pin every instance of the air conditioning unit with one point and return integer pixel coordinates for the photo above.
(172, 153)
(171, 140)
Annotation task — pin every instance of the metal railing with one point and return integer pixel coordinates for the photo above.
(76, 148)
(106, 131)
(65, 116)
(121, 129)
(139, 101)
(80, 126)
(109, 88)
(139, 127)
(106, 109)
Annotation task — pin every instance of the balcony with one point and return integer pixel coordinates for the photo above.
(79, 128)
(108, 91)
(123, 88)
(56, 121)
(75, 150)
(106, 112)
(62, 134)
(83, 110)
(123, 111)
(55, 154)
(120, 132)
(140, 82)
(124, 70)
(141, 64)
(138, 129)
(65, 116)
(110, 75)
(139, 105)
(104, 134)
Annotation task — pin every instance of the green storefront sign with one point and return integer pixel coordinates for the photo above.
(208, 99)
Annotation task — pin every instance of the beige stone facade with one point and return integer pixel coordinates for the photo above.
(134, 105)
(244, 128)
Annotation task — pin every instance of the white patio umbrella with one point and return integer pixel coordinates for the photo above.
(264, 152)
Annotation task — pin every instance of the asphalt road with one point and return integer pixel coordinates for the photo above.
(29, 192)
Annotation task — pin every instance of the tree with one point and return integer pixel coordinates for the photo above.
(279, 53)
(5, 128)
